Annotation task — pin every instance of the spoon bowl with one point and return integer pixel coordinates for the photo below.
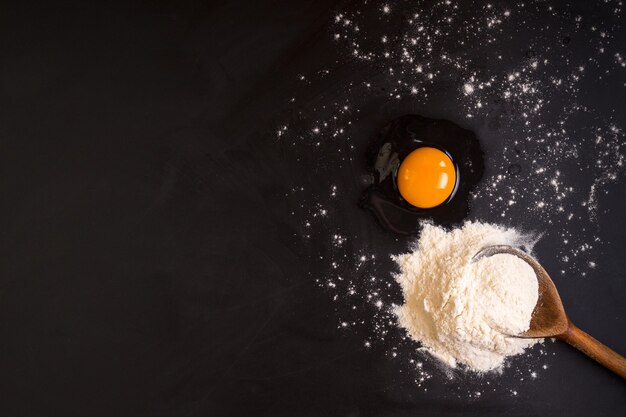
(549, 318)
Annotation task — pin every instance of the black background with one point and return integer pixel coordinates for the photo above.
(148, 264)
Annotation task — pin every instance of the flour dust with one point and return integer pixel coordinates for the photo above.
(516, 74)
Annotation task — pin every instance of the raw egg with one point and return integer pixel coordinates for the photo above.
(426, 178)
(422, 169)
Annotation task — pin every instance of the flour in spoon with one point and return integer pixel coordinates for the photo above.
(463, 312)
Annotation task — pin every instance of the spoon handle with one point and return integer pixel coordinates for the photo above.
(595, 350)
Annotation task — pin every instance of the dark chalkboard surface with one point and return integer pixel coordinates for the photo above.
(151, 264)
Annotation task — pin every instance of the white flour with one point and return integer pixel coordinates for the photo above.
(462, 311)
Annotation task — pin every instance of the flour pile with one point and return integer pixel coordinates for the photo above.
(462, 311)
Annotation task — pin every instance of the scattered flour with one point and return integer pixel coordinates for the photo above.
(462, 311)
(517, 74)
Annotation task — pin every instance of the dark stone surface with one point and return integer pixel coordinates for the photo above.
(148, 267)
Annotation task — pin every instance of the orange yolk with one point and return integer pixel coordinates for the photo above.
(426, 177)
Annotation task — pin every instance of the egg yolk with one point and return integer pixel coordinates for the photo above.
(426, 177)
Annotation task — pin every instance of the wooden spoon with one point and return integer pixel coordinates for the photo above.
(549, 318)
